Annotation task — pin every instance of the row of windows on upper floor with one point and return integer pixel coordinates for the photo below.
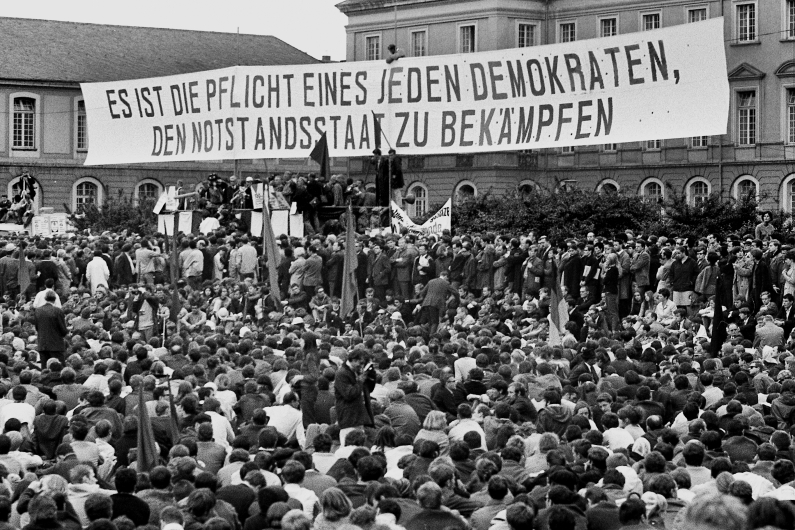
(745, 28)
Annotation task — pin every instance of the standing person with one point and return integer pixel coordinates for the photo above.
(313, 271)
(379, 270)
(51, 330)
(435, 297)
(191, 263)
(759, 281)
(247, 260)
(352, 386)
(397, 183)
(123, 267)
(97, 272)
(640, 267)
(145, 259)
(684, 272)
(610, 288)
(48, 269)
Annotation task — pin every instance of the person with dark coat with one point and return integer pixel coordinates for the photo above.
(434, 299)
(48, 431)
(352, 392)
(759, 282)
(125, 502)
(51, 330)
(123, 268)
(554, 417)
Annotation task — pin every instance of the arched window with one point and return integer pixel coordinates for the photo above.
(86, 190)
(465, 189)
(15, 187)
(420, 206)
(527, 188)
(652, 190)
(148, 189)
(745, 186)
(698, 190)
(24, 124)
(608, 186)
(787, 195)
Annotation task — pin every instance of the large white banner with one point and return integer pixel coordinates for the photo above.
(441, 220)
(666, 83)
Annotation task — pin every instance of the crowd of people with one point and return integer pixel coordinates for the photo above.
(659, 392)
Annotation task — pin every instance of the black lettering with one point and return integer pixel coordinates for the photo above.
(632, 63)
(394, 84)
(208, 136)
(596, 72)
(242, 121)
(258, 101)
(149, 109)
(524, 133)
(485, 126)
(604, 116)
(290, 133)
(552, 73)
(495, 77)
(157, 90)
(330, 88)
(505, 130)
(303, 123)
(360, 78)
(111, 102)
(537, 76)
(276, 132)
(157, 140)
(544, 110)
(259, 141)
(413, 85)
(273, 90)
(383, 88)
(612, 52)
(176, 100)
(344, 87)
(417, 141)
(167, 138)
(181, 143)
(658, 61)
(582, 118)
(430, 83)
(448, 126)
(230, 134)
(452, 83)
(194, 108)
(480, 90)
(197, 136)
(574, 67)
(516, 77)
(211, 91)
(307, 89)
(405, 117)
(561, 119)
(465, 126)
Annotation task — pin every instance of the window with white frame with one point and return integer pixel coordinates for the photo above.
(790, 113)
(699, 142)
(650, 21)
(788, 193)
(148, 190)
(15, 188)
(24, 134)
(608, 186)
(419, 43)
(745, 187)
(696, 14)
(567, 32)
(698, 192)
(609, 148)
(420, 206)
(746, 117)
(653, 145)
(745, 17)
(608, 27)
(372, 46)
(86, 191)
(567, 150)
(789, 19)
(82, 126)
(652, 192)
(466, 38)
(526, 35)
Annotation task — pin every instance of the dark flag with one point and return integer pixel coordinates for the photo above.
(377, 133)
(349, 287)
(176, 304)
(148, 450)
(558, 310)
(23, 276)
(320, 155)
(718, 320)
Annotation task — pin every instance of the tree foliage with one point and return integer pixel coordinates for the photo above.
(116, 215)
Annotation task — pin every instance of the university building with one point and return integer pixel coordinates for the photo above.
(43, 129)
(757, 155)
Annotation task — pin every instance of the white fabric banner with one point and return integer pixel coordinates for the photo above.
(666, 83)
(441, 220)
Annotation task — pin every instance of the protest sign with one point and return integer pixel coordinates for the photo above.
(49, 224)
(441, 220)
(666, 83)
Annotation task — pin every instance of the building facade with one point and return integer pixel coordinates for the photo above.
(44, 129)
(757, 155)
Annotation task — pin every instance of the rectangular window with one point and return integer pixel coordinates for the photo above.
(650, 21)
(746, 117)
(791, 115)
(609, 148)
(82, 130)
(697, 142)
(653, 145)
(696, 15)
(466, 38)
(24, 136)
(567, 149)
(419, 47)
(526, 35)
(373, 48)
(789, 18)
(568, 32)
(746, 22)
(608, 27)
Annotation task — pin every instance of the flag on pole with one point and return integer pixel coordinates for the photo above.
(173, 421)
(272, 254)
(23, 276)
(349, 287)
(176, 305)
(148, 450)
(558, 310)
(320, 155)
(377, 131)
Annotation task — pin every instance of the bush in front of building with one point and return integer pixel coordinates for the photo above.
(116, 215)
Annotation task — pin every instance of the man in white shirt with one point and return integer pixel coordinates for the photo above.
(614, 436)
(287, 419)
(39, 300)
(222, 429)
(465, 424)
(711, 394)
(293, 474)
(20, 410)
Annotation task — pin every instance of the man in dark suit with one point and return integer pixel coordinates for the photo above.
(379, 271)
(435, 296)
(786, 315)
(209, 452)
(51, 329)
(123, 267)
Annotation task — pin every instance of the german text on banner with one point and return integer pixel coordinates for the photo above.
(441, 220)
(666, 83)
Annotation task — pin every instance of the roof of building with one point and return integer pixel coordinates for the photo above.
(52, 51)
